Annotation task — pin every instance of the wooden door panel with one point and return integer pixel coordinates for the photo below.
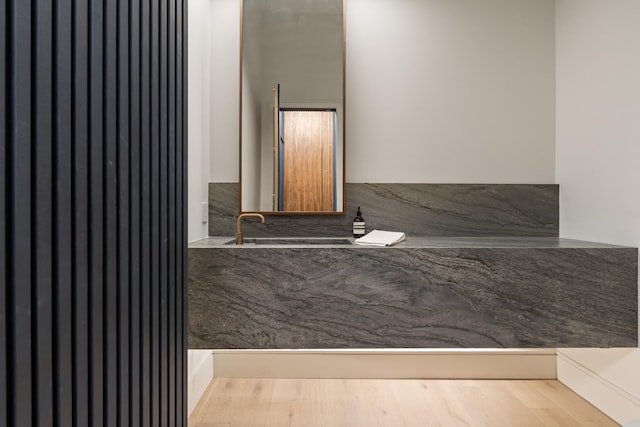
(308, 160)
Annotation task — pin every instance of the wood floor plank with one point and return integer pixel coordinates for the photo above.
(381, 402)
(474, 401)
(246, 402)
(225, 400)
(449, 408)
(556, 417)
(358, 407)
(325, 403)
(207, 397)
(415, 407)
(503, 408)
(575, 405)
(529, 393)
(253, 403)
(286, 405)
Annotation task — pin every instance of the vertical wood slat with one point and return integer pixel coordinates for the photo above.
(62, 289)
(92, 107)
(43, 223)
(155, 213)
(181, 201)
(172, 296)
(80, 172)
(96, 214)
(145, 210)
(123, 247)
(19, 215)
(110, 290)
(164, 223)
(3, 221)
(134, 204)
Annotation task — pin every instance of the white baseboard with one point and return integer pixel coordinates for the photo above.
(469, 364)
(621, 406)
(200, 368)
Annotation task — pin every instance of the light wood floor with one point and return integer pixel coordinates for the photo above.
(348, 402)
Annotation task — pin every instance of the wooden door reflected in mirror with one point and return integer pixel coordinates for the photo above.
(306, 172)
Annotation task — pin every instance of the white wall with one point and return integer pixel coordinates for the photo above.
(200, 362)
(450, 91)
(199, 112)
(200, 367)
(437, 91)
(598, 167)
(224, 23)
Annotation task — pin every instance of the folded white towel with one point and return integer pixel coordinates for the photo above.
(380, 238)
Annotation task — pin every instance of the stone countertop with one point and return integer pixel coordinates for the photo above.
(424, 242)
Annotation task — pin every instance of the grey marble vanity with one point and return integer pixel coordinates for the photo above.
(493, 273)
(439, 292)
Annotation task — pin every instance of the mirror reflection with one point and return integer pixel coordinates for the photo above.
(292, 97)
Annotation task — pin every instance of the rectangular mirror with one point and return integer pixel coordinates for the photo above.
(292, 106)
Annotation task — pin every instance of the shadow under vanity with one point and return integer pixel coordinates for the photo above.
(482, 267)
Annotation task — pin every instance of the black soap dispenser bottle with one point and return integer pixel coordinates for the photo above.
(359, 229)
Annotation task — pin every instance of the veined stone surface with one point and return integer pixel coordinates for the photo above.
(413, 297)
(415, 209)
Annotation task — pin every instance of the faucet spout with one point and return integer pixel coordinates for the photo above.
(239, 238)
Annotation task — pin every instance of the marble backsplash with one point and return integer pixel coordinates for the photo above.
(416, 209)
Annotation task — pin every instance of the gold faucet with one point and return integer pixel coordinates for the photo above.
(239, 239)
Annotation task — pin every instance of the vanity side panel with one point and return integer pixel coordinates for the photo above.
(296, 298)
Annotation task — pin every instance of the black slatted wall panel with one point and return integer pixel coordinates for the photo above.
(3, 219)
(92, 204)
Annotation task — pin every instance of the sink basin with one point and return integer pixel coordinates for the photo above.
(295, 241)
